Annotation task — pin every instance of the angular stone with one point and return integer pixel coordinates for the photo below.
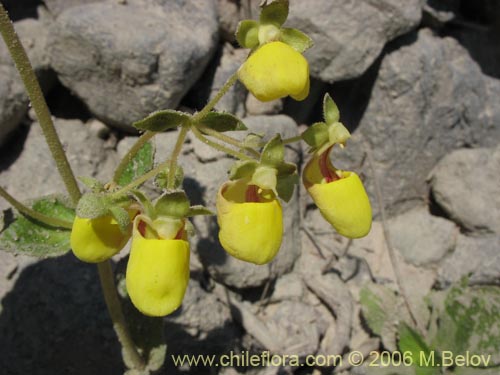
(343, 48)
(128, 60)
(421, 238)
(428, 98)
(463, 186)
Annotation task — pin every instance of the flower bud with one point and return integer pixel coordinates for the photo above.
(339, 195)
(157, 272)
(276, 70)
(95, 240)
(250, 221)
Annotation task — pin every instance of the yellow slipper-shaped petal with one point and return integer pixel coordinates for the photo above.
(249, 231)
(342, 202)
(95, 240)
(157, 274)
(274, 71)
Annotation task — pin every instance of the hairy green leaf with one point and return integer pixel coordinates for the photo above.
(141, 163)
(223, 122)
(274, 13)
(296, 39)
(26, 236)
(316, 135)
(162, 120)
(330, 110)
(174, 204)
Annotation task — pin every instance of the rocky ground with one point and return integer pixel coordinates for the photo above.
(417, 83)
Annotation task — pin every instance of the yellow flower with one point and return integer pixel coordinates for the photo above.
(276, 70)
(95, 240)
(339, 195)
(250, 221)
(157, 272)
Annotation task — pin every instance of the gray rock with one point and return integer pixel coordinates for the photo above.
(13, 97)
(463, 185)
(343, 48)
(203, 181)
(128, 60)
(477, 258)
(56, 7)
(33, 173)
(421, 238)
(255, 107)
(429, 98)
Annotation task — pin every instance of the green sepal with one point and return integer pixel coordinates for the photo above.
(242, 169)
(161, 179)
(172, 204)
(140, 164)
(265, 177)
(160, 121)
(296, 39)
(253, 140)
(247, 33)
(331, 112)
(223, 122)
(274, 13)
(93, 205)
(122, 217)
(286, 185)
(316, 135)
(411, 342)
(199, 210)
(92, 183)
(286, 169)
(273, 153)
(27, 236)
(144, 201)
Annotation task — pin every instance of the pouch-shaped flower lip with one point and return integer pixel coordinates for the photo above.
(95, 240)
(157, 272)
(276, 70)
(251, 231)
(339, 195)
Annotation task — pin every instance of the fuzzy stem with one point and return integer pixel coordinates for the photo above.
(25, 210)
(219, 147)
(225, 138)
(142, 179)
(297, 138)
(35, 95)
(141, 141)
(175, 154)
(115, 311)
(212, 103)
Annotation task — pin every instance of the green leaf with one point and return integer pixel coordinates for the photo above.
(411, 342)
(253, 140)
(30, 237)
(316, 135)
(247, 33)
(331, 112)
(223, 122)
(273, 153)
(242, 169)
(121, 216)
(93, 205)
(286, 169)
(174, 204)
(296, 39)
(92, 183)
(141, 163)
(286, 185)
(274, 13)
(162, 120)
(470, 322)
(161, 179)
(199, 210)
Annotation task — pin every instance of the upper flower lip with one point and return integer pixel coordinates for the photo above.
(276, 70)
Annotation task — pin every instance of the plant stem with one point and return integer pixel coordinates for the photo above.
(211, 104)
(142, 179)
(141, 141)
(175, 154)
(219, 147)
(38, 216)
(116, 313)
(37, 99)
(292, 139)
(225, 138)
(35, 94)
